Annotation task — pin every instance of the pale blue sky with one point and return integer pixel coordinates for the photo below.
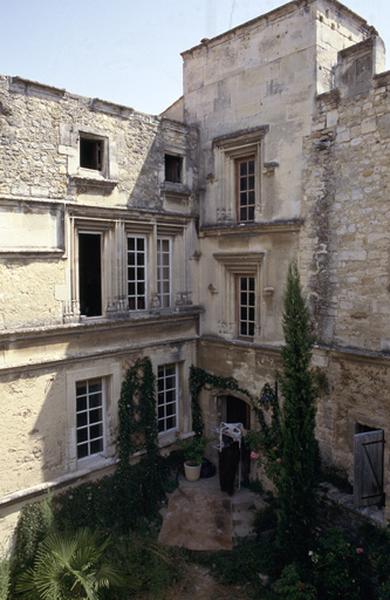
(126, 51)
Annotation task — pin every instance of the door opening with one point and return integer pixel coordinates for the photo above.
(90, 278)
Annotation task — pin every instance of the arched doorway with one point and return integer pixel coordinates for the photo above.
(232, 409)
(237, 411)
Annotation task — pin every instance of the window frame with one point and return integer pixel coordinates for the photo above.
(136, 236)
(102, 452)
(180, 158)
(239, 306)
(176, 402)
(82, 231)
(160, 268)
(103, 170)
(237, 166)
(232, 265)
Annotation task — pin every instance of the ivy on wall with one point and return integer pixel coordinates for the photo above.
(199, 378)
(140, 486)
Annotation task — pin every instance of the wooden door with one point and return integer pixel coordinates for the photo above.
(368, 467)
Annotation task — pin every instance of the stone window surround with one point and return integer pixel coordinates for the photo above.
(228, 149)
(114, 264)
(110, 373)
(70, 146)
(233, 265)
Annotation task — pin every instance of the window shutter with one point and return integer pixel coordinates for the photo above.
(368, 467)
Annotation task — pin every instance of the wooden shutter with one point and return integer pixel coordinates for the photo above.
(368, 467)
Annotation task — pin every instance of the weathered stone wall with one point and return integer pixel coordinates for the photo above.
(40, 129)
(41, 183)
(344, 249)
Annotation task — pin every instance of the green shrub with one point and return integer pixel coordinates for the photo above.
(265, 519)
(340, 570)
(71, 566)
(35, 522)
(337, 477)
(291, 586)
(4, 578)
(147, 567)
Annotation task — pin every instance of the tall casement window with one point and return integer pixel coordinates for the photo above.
(164, 252)
(90, 277)
(246, 186)
(89, 417)
(246, 306)
(167, 397)
(136, 272)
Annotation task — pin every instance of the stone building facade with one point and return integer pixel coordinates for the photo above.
(124, 234)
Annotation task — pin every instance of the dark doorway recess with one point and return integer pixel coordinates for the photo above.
(237, 411)
(90, 278)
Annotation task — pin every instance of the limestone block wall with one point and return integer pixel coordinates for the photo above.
(260, 74)
(40, 131)
(344, 250)
(43, 186)
(38, 413)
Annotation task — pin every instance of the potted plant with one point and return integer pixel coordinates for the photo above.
(193, 450)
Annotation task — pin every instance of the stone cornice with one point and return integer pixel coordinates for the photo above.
(355, 354)
(280, 226)
(273, 348)
(92, 325)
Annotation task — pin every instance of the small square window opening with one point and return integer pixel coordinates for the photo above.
(173, 168)
(91, 153)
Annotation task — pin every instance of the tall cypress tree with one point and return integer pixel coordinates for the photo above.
(299, 467)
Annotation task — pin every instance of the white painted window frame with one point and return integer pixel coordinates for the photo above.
(176, 428)
(111, 373)
(160, 268)
(101, 452)
(136, 236)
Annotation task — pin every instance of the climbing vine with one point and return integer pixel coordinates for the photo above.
(140, 486)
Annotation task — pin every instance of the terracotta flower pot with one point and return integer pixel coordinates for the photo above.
(192, 472)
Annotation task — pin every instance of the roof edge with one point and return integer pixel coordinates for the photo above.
(287, 8)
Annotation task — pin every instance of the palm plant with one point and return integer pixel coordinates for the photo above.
(69, 567)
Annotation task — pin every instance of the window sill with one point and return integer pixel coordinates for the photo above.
(176, 190)
(92, 180)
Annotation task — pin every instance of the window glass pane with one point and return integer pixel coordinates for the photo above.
(95, 416)
(81, 388)
(141, 304)
(243, 168)
(82, 450)
(82, 419)
(96, 446)
(95, 431)
(243, 184)
(81, 403)
(140, 244)
(170, 423)
(251, 166)
(130, 243)
(82, 434)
